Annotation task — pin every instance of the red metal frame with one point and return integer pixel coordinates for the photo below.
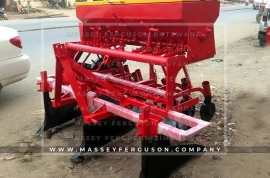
(268, 35)
(100, 31)
(148, 124)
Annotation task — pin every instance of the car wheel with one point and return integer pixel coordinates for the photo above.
(262, 43)
(258, 17)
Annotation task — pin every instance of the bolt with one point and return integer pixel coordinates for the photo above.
(202, 36)
(208, 30)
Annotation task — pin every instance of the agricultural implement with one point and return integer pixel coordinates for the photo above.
(95, 78)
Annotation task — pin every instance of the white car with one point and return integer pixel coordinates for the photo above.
(264, 23)
(256, 4)
(14, 65)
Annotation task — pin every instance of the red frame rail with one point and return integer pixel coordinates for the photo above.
(164, 129)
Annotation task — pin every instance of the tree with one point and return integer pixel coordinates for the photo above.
(2, 3)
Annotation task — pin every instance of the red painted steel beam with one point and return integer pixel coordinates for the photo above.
(120, 54)
(196, 124)
(135, 85)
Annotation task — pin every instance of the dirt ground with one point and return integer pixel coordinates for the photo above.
(239, 76)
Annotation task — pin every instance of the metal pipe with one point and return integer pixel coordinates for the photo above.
(131, 84)
(157, 60)
(164, 129)
(206, 87)
(117, 110)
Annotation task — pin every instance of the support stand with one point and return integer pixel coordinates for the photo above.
(161, 166)
(102, 133)
(57, 116)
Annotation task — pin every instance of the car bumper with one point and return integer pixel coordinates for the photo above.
(14, 69)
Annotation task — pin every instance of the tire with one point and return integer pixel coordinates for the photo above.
(262, 43)
(258, 17)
